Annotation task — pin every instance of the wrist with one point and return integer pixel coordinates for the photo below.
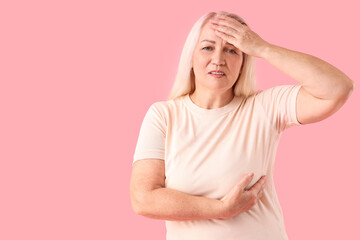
(222, 209)
(265, 51)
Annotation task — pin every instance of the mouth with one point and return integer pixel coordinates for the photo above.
(217, 74)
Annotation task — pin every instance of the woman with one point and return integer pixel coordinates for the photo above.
(204, 159)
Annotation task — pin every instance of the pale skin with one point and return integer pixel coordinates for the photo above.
(324, 90)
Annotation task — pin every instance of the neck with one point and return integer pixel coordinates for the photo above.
(211, 100)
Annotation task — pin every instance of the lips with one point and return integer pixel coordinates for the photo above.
(217, 71)
(217, 74)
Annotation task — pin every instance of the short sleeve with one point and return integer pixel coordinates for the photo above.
(151, 139)
(279, 104)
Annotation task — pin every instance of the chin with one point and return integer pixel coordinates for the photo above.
(218, 87)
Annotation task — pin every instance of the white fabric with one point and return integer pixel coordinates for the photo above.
(207, 151)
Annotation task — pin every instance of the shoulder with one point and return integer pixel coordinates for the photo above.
(276, 91)
(277, 94)
(164, 109)
(167, 105)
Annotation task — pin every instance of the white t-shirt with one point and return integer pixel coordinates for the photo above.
(207, 151)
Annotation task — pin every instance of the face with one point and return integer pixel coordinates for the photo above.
(213, 53)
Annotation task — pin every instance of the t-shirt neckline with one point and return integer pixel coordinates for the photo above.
(215, 111)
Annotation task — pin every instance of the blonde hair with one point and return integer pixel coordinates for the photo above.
(185, 78)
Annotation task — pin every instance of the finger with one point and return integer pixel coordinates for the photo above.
(227, 30)
(226, 20)
(258, 185)
(258, 199)
(227, 33)
(246, 180)
(260, 193)
(229, 21)
(224, 23)
(227, 38)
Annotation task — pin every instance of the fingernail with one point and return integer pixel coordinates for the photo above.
(250, 174)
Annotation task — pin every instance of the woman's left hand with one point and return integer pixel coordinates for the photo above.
(239, 35)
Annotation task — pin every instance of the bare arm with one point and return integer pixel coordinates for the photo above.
(150, 198)
(324, 88)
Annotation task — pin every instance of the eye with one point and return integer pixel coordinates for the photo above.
(230, 50)
(233, 51)
(206, 47)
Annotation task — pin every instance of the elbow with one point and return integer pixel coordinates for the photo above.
(349, 89)
(346, 90)
(136, 208)
(349, 86)
(138, 203)
(352, 86)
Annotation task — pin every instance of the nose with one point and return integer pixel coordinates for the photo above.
(218, 57)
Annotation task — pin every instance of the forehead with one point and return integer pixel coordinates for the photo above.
(207, 35)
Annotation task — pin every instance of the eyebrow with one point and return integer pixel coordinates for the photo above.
(214, 42)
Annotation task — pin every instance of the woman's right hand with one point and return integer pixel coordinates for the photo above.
(240, 200)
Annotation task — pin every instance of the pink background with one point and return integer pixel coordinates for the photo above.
(77, 78)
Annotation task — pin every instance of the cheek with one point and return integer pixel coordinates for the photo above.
(201, 58)
(200, 62)
(236, 66)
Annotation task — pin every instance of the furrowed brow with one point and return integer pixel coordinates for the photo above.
(211, 41)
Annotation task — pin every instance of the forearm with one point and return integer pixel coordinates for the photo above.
(173, 205)
(319, 78)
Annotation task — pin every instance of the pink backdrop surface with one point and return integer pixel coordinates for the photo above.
(77, 77)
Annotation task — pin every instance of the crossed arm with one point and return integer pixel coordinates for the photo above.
(150, 198)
